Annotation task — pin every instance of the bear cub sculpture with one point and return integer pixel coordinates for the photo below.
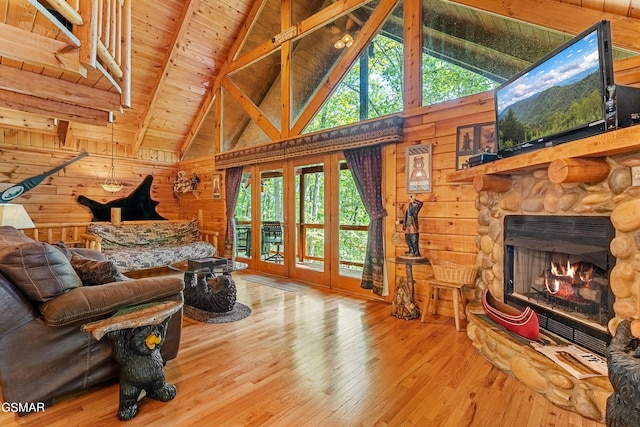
(137, 350)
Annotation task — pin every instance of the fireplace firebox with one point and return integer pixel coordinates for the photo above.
(559, 266)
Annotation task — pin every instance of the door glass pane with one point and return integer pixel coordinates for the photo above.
(354, 225)
(243, 218)
(309, 208)
(271, 216)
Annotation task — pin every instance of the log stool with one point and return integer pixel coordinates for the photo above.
(433, 288)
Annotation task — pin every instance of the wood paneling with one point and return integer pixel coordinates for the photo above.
(213, 211)
(24, 154)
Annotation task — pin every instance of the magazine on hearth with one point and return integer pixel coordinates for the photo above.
(578, 362)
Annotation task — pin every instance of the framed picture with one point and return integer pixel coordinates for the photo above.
(419, 169)
(474, 139)
(216, 186)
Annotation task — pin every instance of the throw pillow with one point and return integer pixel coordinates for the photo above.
(93, 272)
(62, 247)
(38, 269)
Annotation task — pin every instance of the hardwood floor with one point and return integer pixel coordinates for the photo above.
(317, 358)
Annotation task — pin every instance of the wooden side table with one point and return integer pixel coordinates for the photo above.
(433, 288)
(404, 299)
(137, 334)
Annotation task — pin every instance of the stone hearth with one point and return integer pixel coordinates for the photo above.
(587, 397)
(533, 193)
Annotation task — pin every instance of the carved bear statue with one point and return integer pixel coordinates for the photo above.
(137, 351)
(623, 406)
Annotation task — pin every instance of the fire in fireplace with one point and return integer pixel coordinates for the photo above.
(560, 267)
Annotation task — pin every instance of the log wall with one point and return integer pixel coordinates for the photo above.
(213, 211)
(448, 219)
(24, 154)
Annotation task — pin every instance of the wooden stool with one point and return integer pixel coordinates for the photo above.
(433, 287)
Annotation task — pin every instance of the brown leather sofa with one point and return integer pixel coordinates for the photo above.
(44, 354)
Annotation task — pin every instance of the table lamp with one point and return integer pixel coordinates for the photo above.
(15, 216)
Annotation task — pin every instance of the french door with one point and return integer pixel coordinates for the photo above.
(307, 222)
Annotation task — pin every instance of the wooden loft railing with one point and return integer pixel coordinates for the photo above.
(103, 28)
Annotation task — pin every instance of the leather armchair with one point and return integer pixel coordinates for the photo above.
(44, 354)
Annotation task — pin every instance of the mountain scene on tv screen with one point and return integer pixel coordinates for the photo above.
(555, 110)
(559, 94)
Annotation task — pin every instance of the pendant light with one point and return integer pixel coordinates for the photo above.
(111, 184)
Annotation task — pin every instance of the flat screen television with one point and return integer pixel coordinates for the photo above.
(560, 98)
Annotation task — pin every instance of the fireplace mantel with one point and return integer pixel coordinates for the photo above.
(610, 143)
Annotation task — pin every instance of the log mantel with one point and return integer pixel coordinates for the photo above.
(607, 144)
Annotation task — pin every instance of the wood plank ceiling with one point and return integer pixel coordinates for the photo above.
(178, 50)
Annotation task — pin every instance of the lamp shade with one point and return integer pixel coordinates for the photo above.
(15, 216)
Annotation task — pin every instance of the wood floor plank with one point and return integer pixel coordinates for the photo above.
(316, 358)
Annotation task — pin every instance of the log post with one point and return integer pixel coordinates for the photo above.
(498, 184)
(581, 170)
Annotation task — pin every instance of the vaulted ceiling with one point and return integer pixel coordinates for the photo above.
(179, 49)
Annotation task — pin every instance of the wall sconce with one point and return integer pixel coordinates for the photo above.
(345, 41)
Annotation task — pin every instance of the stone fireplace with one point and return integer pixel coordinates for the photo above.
(616, 266)
(534, 194)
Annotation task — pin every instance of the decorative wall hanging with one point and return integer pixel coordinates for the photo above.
(418, 169)
(181, 184)
(16, 190)
(137, 206)
(474, 139)
(216, 186)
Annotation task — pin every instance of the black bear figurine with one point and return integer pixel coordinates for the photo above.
(623, 406)
(137, 351)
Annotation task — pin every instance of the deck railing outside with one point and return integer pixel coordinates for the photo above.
(353, 241)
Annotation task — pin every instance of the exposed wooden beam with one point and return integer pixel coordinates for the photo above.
(34, 49)
(360, 42)
(320, 19)
(214, 87)
(20, 120)
(567, 18)
(178, 38)
(40, 86)
(285, 68)
(254, 111)
(412, 56)
(49, 108)
(328, 14)
(217, 119)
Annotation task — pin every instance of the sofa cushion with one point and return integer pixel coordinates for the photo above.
(38, 269)
(151, 235)
(143, 258)
(62, 247)
(89, 303)
(94, 272)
